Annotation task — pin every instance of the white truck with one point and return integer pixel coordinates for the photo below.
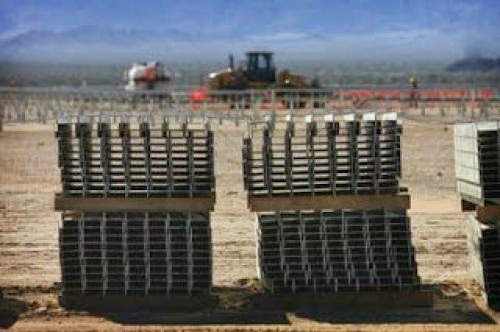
(147, 76)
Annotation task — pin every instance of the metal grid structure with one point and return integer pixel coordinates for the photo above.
(135, 159)
(147, 235)
(42, 105)
(135, 253)
(307, 245)
(336, 250)
(477, 161)
(346, 156)
(484, 253)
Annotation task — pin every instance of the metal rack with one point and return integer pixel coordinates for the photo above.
(136, 200)
(137, 253)
(330, 212)
(484, 254)
(349, 156)
(477, 161)
(477, 165)
(336, 250)
(135, 160)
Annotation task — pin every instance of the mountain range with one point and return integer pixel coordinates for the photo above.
(101, 44)
(88, 44)
(475, 64)
(91, 43)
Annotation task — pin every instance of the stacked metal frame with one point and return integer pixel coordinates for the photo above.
(336, 157)
(484, 253)
(141, 251)
(323, 249)
(477, 161)
(142, 160)
(477, 168)
(336, 250)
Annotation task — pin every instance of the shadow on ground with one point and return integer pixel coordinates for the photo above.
(249, 305)
(10, 309)
(446, 309)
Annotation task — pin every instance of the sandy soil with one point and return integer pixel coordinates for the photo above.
(29, 267)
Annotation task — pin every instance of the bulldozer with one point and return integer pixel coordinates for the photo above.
(259, 72)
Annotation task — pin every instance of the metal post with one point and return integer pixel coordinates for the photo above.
(64, 136)
(146, 136)
(267, 158)
(104, 132)
(84, 132)
(310, 133)
(290, 131)
(124, 128)
(191, 181)
(104, 261)
(189, 236)
(147, 265)
(169, 152)
(125, 257)
(332, 130)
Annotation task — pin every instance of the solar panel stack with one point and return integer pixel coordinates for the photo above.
(339, 157)
(142, 160)
(135, 253)
(484, 253)
(477, 161)
(477, 164)
(336, 250)
(323, 249)
(146, 251)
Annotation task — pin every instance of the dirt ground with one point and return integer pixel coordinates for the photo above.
(29, 266)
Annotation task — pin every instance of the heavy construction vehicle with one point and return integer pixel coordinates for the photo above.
(259, 72)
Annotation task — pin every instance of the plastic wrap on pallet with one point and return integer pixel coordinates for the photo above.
(336, 251)
(135, 253)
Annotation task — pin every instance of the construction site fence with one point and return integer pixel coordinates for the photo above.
(110, 92)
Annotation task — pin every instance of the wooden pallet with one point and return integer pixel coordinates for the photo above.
(328, 201)
(104, 204)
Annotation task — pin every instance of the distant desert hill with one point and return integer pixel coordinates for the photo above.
(475, 64)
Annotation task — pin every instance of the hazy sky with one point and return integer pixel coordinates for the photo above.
(344, 28)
